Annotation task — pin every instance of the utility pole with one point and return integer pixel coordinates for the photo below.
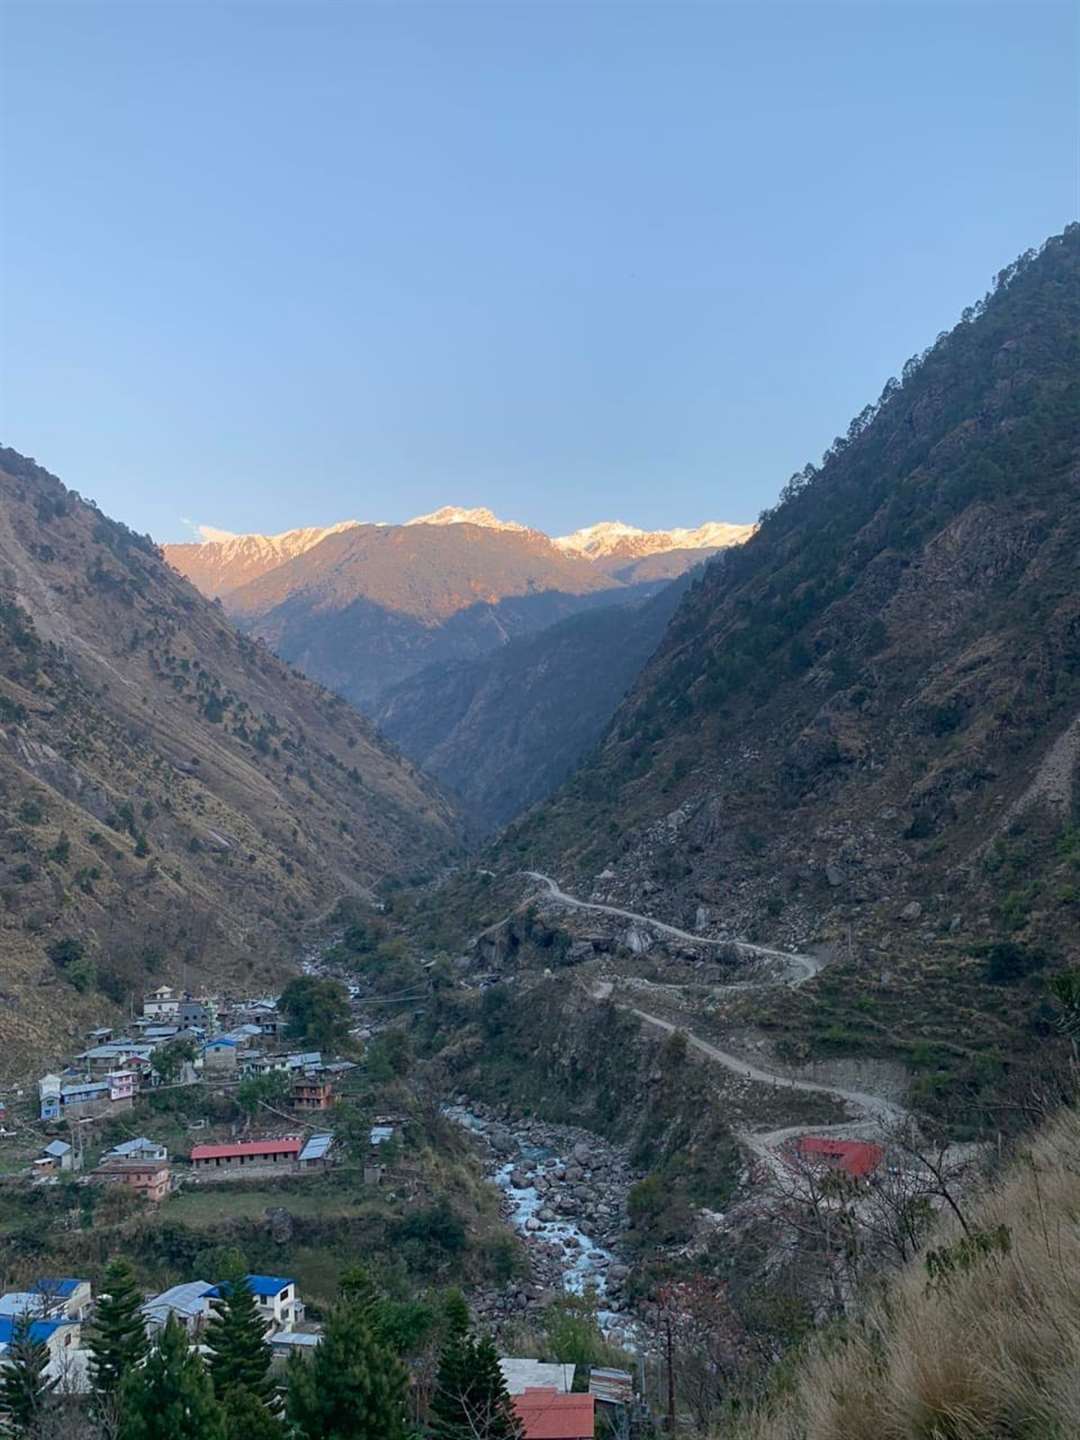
(669, 1349)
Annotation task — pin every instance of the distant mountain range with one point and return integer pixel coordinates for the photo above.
(363, 607)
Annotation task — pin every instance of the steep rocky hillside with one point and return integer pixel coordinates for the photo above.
(864, 727)
(174, 800)
(503, 731)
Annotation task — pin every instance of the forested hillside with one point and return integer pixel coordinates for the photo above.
(171, 794)
(864, 726)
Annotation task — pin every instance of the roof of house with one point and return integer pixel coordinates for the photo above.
(616, 1387)
(294, 1337)
(189, 1299)
(521, 1375)
(219, 1041)
(39, 1329)
(136, 1147)
(63, 1285)
(858, 1157)
(288, 1146)
(316, 1147)
(57, 1149)
(547, 1415)
(380, 1134)
(268, 1285)
(131, 1165)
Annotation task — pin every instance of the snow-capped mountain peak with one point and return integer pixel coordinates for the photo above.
(610, 538)
(458, 515)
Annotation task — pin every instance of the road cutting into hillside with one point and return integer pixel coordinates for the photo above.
(807, 965)
(876, 1110)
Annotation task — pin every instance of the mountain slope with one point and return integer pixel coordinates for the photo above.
(219, 565)
(373, 605)
(369, 607)
(864, 726)
(503, 731)
(172, 796)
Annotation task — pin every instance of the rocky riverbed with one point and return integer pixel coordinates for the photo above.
(565, 1193)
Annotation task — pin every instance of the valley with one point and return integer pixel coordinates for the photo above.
(700, 962)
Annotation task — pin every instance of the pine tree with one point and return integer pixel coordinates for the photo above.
(247, 1417)
(117, 1338)
(171, 1397)
(24, 1386)
(235, 1337)
(352, 1387)
(471, 1401)
(357, 1289)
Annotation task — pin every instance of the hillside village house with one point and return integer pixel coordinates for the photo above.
(115, 1090)
(857, 1159)
(161, 1002)
(63, 1297)
(189, 1304)
(57, 1155)
(139, 1149)
(311, 1093)
(220, 1053)
(148, 1179)
(276, 1298)
(317, 1154)
(546, 1414)
(246, 1155)
(60, 1338)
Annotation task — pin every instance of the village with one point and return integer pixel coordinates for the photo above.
(184, 1042)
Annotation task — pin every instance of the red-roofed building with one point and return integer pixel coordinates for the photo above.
(247, 1154)
(857, 1158)
(549, 1415)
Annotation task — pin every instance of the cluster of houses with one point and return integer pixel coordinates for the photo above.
(224, 1043)
(106, 1077)
(58, 1310)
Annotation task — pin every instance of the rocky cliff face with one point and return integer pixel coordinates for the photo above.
(173, 798)
(864, 725)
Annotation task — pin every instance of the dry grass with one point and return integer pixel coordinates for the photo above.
(992, 1353)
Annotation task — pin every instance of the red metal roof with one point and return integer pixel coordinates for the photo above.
(290, 1146)
(857, 1157)
(548, 1415)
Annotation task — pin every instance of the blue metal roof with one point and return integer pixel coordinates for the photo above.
(316, 1147)
(63, 1287)
(39, 1329)
(267, 1285)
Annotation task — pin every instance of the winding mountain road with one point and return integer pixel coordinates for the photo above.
(875, 1108)
(807, 965)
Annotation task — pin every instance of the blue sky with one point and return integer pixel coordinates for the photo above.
(271, 264)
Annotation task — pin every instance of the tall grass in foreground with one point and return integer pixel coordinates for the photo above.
(989, 1348)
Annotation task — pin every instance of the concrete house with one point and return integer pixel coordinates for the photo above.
(149, 1179)
(275, 1295)
(60, 1298)
(246, 1155)
(161, 1002)
(139, 1149)
(220, 1053)
(56, 1156)
(190, 1304)
(312, 1093)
